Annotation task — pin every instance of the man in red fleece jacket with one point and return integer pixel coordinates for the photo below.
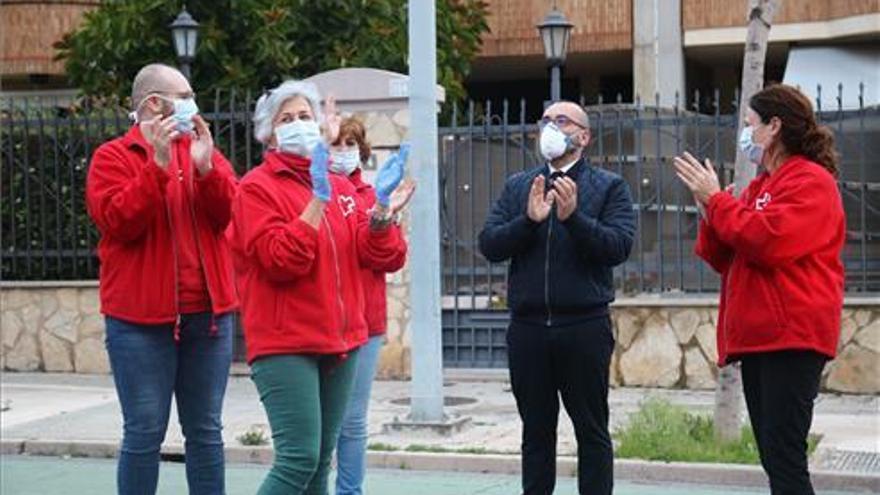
(161, 198)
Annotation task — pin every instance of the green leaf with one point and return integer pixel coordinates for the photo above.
(253, 44)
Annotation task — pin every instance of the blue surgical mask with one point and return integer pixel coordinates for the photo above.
(345, 162)
(184, 111)
(298, 137)
(753, 151)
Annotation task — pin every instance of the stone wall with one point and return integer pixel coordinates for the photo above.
(386, 131)
(52, 327)
(660, 343)
(663, 346)
(394, 362)
(58, 327)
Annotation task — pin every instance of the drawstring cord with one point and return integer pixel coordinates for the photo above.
(213, 331)
(177, 330)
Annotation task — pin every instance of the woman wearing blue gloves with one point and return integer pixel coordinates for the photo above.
(348, 152)
(299, 242)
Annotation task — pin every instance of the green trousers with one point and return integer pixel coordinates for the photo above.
(305, 397)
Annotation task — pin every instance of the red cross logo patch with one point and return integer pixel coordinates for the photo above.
(347, 205)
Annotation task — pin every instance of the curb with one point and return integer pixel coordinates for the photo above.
(625, 469)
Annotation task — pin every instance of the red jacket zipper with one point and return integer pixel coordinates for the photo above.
(339, 300)
(192, 210)
(174, 252)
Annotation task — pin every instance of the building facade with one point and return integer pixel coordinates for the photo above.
(618, 49)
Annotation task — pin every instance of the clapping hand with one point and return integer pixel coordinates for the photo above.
(540, 204)
(319, 171)
(700, 178)
(202, 147)
(566, 196)
(332, 120)
(390, 175)
(160, 133)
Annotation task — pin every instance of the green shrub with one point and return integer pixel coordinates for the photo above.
(661, 431)
(382, 447)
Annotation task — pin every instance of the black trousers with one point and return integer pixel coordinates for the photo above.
(571, 362)
(779, 389)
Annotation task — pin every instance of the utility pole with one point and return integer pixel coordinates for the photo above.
(728, 394)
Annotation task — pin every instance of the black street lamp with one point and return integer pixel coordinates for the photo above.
(185, 31)
(555, 32)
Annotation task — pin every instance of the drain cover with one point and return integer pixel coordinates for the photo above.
(852, 461)
(447, 401)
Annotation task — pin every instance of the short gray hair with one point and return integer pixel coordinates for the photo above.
(270, 103)
(586, 121)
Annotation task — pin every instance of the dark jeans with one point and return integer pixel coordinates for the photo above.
(780, 388)
(571, 362)
(148, 367)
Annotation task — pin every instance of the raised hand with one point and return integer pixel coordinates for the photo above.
(320, 174)
(401, 196)
(566, 195)
(390, 175)
(332, 119)
(202, 147)
(700, 178)
(540, 204)
(159, 134)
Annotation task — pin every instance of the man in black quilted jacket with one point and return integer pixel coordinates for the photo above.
(563, 225)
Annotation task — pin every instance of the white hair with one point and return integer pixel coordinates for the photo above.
(270, 103)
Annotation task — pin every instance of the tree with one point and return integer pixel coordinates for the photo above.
(728, 393)
(254, 44)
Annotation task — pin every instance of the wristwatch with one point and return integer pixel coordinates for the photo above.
(379, 221)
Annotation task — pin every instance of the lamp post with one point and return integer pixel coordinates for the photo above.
(425, 291)
(185, 32)
(555, 32)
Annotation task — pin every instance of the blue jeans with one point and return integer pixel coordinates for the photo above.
(148, 367)
(351, 449)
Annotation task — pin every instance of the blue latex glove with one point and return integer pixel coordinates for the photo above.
(390, 175)
(320, 175)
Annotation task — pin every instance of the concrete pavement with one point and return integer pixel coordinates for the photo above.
(58, 414)
(52, 476)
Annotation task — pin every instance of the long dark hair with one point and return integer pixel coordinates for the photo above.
(800, 133)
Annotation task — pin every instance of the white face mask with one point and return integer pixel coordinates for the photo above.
(752, 150)
(345, 162)
(298, 137)
(554, 143)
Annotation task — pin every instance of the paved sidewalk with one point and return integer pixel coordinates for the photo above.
(62, 409)
(52, 476)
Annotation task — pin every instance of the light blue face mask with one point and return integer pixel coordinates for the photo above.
(184, 111)
(753, 151)
(345, 162)
(298, 137)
